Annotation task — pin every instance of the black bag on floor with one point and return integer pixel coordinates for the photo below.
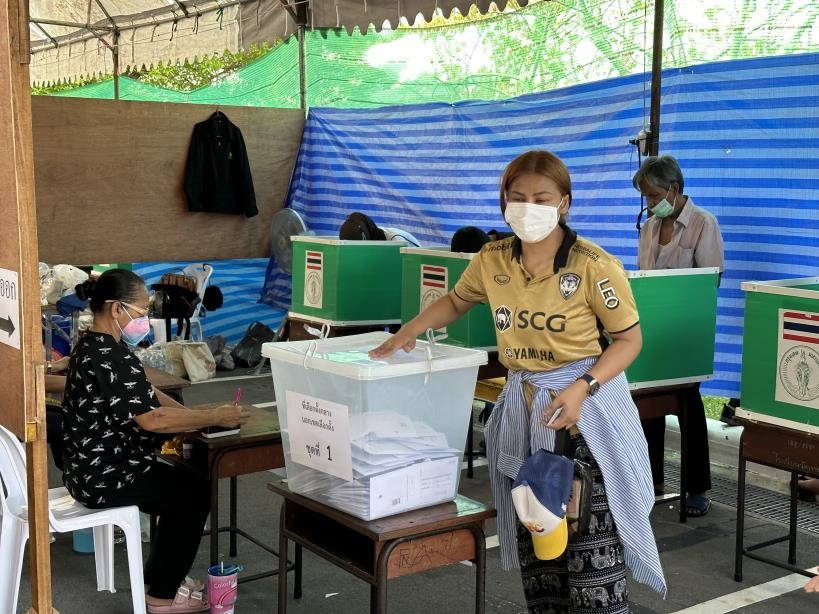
(248, 352)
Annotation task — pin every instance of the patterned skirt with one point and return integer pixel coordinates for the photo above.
(591, 575)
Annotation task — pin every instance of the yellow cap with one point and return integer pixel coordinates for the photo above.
(549, 546)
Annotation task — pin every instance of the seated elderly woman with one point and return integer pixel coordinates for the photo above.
(110, 413)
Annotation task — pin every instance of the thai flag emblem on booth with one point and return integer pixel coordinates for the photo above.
(313, 279)
(797, 377)
(434, 280)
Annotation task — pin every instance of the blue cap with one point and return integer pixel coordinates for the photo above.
(540, 495)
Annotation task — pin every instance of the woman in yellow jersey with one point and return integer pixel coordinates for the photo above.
(552, 294)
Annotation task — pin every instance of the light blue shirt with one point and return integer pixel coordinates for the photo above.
(610, 424)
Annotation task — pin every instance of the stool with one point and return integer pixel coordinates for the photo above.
(378, 550)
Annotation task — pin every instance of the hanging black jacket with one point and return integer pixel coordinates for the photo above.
(217, 174)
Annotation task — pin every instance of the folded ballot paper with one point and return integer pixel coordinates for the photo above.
(398, 464)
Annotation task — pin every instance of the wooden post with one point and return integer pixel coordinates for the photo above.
(22, 395)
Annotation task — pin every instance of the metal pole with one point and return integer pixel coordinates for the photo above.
(115, 54)
(302, 70)
(656, 80)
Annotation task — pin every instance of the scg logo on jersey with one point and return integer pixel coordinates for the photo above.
(538, 320)
(524, 319)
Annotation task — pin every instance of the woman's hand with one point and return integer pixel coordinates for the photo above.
(56, 366)
(231, 416)
(400, 340)
(442, 312)
(569, 402)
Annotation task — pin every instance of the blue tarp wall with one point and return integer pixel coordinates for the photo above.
(746, 134)
(239, 280)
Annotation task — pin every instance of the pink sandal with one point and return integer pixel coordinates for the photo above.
(184, 602)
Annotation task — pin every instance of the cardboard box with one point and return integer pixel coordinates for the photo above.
(780, 353)
(429, 273)
(678, 315)
(347, 282)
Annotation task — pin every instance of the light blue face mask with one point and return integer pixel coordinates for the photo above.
(663, 208)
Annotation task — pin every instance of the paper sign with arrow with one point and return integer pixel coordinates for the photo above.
(9, 308)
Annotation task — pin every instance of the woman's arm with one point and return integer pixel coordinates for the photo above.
(444, 311)
(625, 347)
(55, 383)
(166, 400)
(178, 418)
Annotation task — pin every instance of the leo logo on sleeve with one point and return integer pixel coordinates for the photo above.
(607, 292)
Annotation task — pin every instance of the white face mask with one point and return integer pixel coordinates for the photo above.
(531, 222)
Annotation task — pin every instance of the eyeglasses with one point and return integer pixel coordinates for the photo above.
(142, 311)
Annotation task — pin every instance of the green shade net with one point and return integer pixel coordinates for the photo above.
(547, 45)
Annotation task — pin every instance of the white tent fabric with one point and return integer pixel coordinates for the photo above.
(71, 38)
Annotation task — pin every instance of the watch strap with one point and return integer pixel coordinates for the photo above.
(592, 383)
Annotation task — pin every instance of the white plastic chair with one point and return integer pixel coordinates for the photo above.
(202, 272)
(64, 514)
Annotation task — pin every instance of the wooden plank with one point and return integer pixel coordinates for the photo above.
(110, 180)
(430, 552)
(780, 447)
(22, 395)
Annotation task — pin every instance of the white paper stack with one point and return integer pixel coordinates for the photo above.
(398, 464)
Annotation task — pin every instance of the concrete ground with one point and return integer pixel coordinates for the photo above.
(698, 556)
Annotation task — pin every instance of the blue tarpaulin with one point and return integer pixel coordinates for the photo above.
(746, 134)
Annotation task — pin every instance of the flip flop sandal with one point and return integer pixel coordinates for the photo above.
(184, 602)
(697, 505)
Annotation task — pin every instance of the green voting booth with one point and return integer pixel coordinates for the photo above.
(677, 308)
(428, 274)
(678, 314)
(346, 282)
(780, 353)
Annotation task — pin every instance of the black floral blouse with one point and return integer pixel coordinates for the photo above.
(104, 448)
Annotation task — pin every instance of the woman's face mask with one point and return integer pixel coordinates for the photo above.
(136, 330)
(532, 222)
(663, 208)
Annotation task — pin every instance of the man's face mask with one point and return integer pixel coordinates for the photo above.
(663, 208)
(532, 222)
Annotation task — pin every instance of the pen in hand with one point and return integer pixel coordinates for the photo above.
(237, 398)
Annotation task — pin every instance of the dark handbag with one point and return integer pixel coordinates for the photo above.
(175, 297)
(248, 352)
(578, 511)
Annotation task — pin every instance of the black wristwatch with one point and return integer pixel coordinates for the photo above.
(594, 385)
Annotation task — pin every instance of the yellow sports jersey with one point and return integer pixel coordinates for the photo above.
(551, 320)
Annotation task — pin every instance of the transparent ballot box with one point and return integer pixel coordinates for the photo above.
(373, 437)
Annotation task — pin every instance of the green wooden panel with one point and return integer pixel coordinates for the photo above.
(678, 322)
(475, 329)
(760, 354)
(361, 280)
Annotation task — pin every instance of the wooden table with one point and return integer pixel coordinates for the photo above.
(300, 328)
(782, 448)
(378, 550)
(257, 447)
(163, 380)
